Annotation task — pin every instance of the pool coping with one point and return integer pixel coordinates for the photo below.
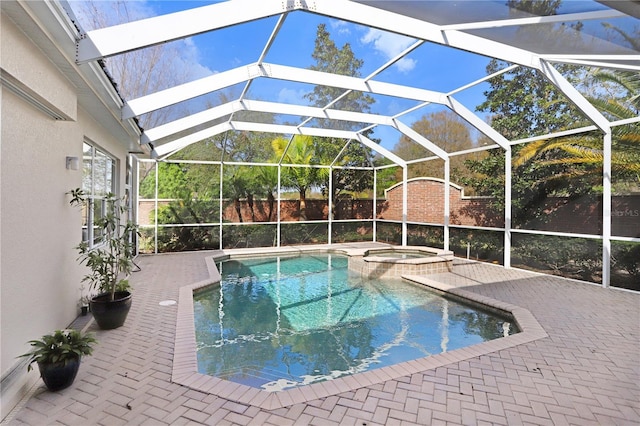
(185, 363)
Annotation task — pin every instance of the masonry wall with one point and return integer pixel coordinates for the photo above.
(425, 204)
(289, 210)
(425, 200)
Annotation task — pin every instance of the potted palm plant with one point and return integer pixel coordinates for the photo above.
(58, 356)
(109, 263)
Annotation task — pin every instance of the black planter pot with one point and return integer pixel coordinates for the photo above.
(111, 314)
(59, 376)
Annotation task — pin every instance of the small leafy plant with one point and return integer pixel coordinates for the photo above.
(61, 347)
(113, 259)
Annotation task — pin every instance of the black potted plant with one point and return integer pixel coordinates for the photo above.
(110, 263)
(58, 356)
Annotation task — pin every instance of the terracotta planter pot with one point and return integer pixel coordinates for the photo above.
(111, 314)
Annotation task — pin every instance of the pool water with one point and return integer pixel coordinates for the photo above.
(275, 323)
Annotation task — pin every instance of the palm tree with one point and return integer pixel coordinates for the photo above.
(583, 154)
(267, 177)
(299, 151)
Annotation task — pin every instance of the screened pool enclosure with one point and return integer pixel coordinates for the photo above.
(506, 131)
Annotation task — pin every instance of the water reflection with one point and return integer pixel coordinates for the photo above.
(286, 322)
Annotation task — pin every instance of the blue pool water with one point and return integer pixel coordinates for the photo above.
(279, 322)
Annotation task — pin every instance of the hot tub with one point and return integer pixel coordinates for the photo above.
(393, 262)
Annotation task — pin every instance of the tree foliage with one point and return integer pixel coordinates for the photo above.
(446, 130)
(300, 151)
(329, 58)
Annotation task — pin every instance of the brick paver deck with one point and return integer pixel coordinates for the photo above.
(586, 371)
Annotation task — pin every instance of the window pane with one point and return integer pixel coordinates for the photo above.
(86, 168)
(85, 223)
(100, 165)
(110, 172)
(98, 213)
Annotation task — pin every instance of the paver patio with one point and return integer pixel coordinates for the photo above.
(586, 371)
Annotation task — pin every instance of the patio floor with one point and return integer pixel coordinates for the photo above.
(586, 371)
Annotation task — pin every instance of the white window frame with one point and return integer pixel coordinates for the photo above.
(99, 178)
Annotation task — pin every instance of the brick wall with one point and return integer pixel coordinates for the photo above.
(425, 202)
(316, 210)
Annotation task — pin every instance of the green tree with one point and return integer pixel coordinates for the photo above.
(584, 152)
(172, 182)
(329, 58)
(522, 103)
(446, 130)
(267, 176)
(301, 151)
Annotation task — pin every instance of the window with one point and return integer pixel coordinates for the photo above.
(98, 171)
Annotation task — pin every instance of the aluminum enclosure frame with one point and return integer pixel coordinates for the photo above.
(172, 137)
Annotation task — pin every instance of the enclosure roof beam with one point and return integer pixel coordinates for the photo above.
(223, 110)
(109, 41)
(193, 89)
(419, 139)
(161, 150)
(419, 29)
(575, 96)
(477, 122)
(135, 35)
(166, 148)
(173, 95)
(535, 20)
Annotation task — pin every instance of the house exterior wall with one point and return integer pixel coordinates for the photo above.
(39, 275)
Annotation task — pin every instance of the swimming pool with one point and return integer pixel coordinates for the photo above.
(282, 322)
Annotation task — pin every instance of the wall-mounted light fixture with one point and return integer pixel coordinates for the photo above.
(73, 163)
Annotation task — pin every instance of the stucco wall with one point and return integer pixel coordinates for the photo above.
(39, 274)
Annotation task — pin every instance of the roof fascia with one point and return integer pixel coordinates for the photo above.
(49, 24)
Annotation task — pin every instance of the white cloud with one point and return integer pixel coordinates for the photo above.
(289, 96)
(390, 45)
(341, 27)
